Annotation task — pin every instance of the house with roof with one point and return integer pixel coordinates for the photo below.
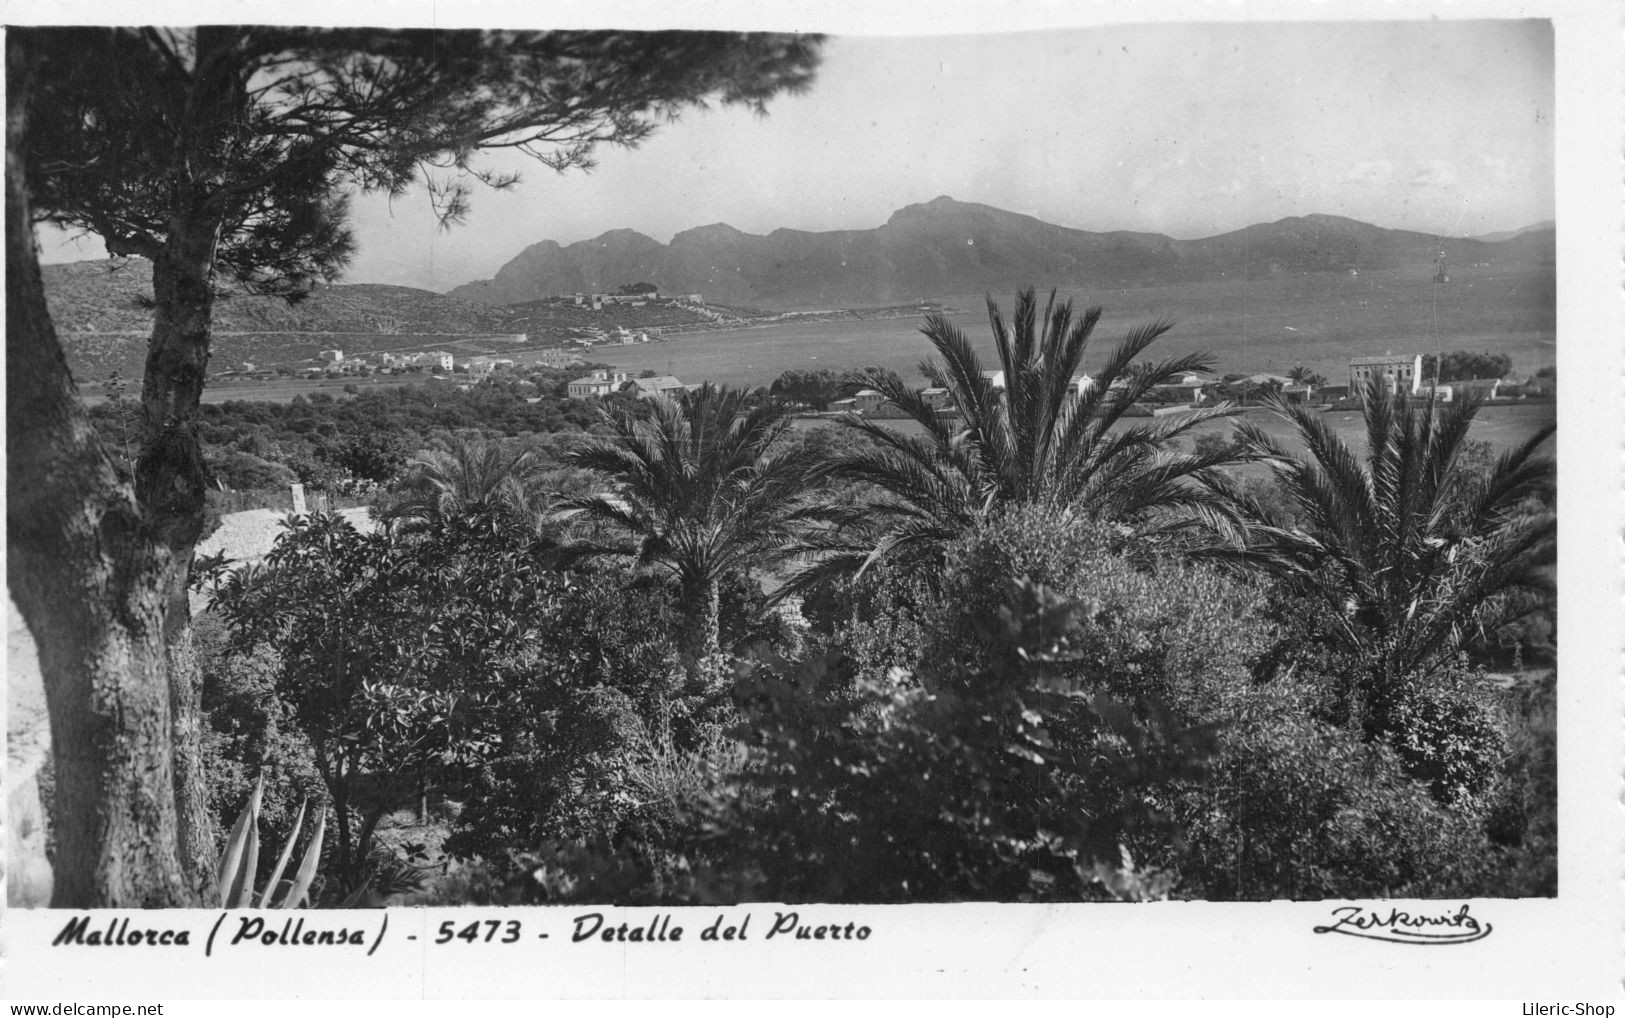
(1284, 386)
(864, 401)
(1188, 388)
(558, 358)
(936, 398)
(660, 385)
(868, 400)
(1483, 388)
(433, 359)
(1395, 372)
(599, 383)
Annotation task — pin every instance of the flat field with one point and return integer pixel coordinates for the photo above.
(1319, 320)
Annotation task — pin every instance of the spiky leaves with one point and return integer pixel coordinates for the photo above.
(472, 478)
(1047, 434)
(239, 861)
(700, 491)
(1411, 552)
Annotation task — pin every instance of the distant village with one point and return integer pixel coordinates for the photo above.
(1402, 373)
(1397, 373)
(560, 331)
(640, 302)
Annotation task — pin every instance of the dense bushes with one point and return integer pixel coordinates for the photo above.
(604, 680)
(1016, 783)
(1295, 802)
(1045, 708)
(1295, 808)
(250, 734)
(393, 656)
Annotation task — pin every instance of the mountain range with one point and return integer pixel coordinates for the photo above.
(940, 249)
(946, 247)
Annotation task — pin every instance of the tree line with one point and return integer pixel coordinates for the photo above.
(1037, 651)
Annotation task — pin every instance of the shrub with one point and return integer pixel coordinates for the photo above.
(915, 787)
(1183, 633)
(250, 734)
(392, 655)
(1295, 808)
(607, 681)
(1449, 737)
(243, 470)
(1522, 815)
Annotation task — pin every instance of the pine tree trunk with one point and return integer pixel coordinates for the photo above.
(198, 834)
(91, 584)
(171, 486)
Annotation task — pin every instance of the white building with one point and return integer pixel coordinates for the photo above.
(1395, 372)
(558, 358)
(599, 383)
(331, 356)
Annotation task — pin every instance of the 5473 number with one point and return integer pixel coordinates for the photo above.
(488, 931)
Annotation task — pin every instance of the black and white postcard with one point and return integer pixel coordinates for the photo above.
(779, 500)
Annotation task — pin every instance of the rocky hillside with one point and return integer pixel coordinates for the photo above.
(108, 296)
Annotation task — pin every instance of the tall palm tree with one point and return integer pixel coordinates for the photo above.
(700, 489)
(1044, 435)
(1411, 552)
(1306, 376)
(472, 476)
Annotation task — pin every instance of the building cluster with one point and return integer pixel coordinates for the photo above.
(559, 358)
(1402, 373)
(1187, 391)
(1397, 373)
(618, 335)
(637, 299)
(603, 383)
(333, 363)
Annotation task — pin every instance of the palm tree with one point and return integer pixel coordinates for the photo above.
(472, 477)
(701, 491)
(1044, 435)
(1304, 376)
(1410, 551)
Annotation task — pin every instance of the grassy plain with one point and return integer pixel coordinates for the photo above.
(1319, 320)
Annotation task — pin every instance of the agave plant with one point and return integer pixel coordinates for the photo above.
(240, 860)
(1033, 431)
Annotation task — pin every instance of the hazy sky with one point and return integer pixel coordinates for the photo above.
(1189, 130)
